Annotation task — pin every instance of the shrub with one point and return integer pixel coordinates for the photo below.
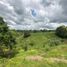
(9, 54)
(62, 31)
(26, 34)
(7, 41)
(31, 44)
(25, 48)
(54, 43)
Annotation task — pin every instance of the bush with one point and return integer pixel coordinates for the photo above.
(26, 34)
(31, 44)
(61, 31)
(8, 54)
(54, 43)
(25, 48)
(7, 41)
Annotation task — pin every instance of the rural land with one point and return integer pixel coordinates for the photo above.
(32, 48)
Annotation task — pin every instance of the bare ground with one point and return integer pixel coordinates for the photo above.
(40, 58)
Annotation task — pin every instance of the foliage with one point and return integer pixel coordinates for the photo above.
(54, 47)
(31, 44)
(7, 40)
(62, 31)
(26, 34)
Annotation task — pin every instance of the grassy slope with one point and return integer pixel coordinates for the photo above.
(45, 44)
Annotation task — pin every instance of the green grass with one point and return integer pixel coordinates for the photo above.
(44, 44)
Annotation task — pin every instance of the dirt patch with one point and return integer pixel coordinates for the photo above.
(40, 58)
(60, 60)
(34, 58)
(56, 60)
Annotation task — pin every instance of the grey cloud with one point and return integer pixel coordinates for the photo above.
(49, 13)
(18, 9)
(64, 6)
(46, 3)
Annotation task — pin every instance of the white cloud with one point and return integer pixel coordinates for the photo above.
(34, 14)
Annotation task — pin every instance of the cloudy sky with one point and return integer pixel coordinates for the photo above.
(34, 14)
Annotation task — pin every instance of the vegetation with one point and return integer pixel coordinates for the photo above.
(7, 41)
(35, 48)
(42, 44)
(26, 34)
(62, 31)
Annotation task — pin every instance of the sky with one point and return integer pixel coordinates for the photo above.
(34, 14)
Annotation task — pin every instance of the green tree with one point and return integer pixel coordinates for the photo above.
(7, 41)
(62, 31)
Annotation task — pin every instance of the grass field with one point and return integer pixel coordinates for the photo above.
(44, 49)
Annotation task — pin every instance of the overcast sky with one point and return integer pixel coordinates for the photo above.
(34, 14)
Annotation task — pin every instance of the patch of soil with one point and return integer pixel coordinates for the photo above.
(40, 58)
(34, 58)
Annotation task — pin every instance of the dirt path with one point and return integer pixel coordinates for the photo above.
(56, 60)
(34, 58)
(39, 58)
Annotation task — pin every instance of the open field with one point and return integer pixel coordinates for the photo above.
(44, 49)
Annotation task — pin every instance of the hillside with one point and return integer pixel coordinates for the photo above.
(43, 49)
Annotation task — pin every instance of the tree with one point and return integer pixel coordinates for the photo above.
(62, 31)
(7, 41)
